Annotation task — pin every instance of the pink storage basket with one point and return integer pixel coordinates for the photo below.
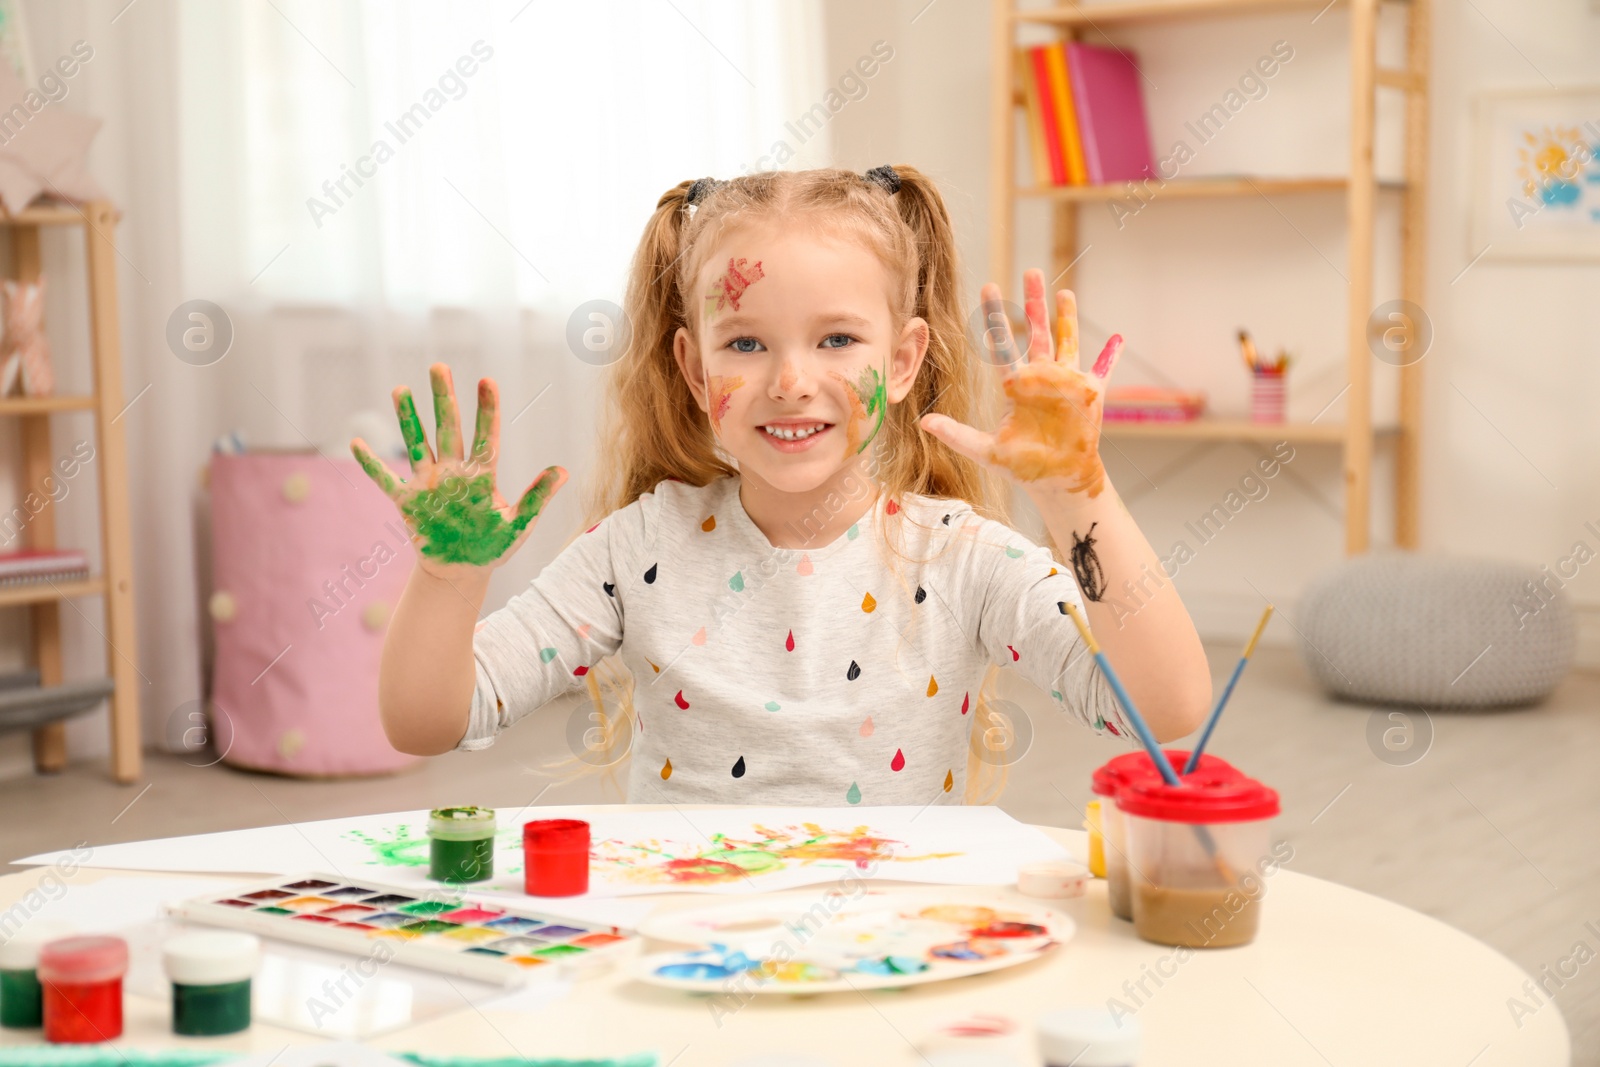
(308, 560)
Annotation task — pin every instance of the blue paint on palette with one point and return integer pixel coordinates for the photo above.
(696, 971)
(511, 924)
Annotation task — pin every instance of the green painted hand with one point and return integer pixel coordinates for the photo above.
(457, 518)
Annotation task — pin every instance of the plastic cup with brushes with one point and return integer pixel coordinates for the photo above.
(1193, 847)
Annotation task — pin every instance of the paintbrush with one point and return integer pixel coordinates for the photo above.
(1247, 349)
(1146, 738)
(1227, 691)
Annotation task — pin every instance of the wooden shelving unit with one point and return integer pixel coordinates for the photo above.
(1357, 434)
(43, 600)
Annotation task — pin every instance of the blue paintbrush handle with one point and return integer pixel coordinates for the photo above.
(1136, 720)
(1216, 713)
(1158, 757)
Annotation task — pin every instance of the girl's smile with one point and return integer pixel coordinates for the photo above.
(794, 436)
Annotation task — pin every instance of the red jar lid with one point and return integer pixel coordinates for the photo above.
(1132, 766)
(1203, 798)
(83, 960)
(556, 835)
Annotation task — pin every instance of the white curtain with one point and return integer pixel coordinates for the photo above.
(366, 186)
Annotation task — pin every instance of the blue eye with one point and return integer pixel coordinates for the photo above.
(846, 338)
(737, 344)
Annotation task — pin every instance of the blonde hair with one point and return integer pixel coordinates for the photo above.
(652, 428)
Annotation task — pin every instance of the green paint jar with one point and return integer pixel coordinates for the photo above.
(210, 974)
(21, 997)
(461, 844)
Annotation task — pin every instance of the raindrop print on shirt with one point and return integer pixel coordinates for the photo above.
(666, 770)
(949, 780)
(788, 642)
(853, 795)
(854, 672)
(736, 583)
(738, 768)
(680, 701)
(899, 761)
(804, 568)
(922, 594)
(866, 727)
(868, 604)
(933, 685)
(610, 589)
(710, 523)
(650, 575)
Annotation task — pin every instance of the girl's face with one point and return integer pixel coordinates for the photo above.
(794, 356)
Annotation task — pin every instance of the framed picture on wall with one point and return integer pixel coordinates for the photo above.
(1537, 175)
(14, 40)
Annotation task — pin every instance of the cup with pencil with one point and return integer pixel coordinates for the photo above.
(1268, 381)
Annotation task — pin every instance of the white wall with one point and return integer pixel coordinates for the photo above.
(1179, 277)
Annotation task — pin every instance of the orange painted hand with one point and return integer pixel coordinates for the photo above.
(1049, 438)
(458, 520)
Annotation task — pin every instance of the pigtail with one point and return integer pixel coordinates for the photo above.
(673, 440)
(950, 382)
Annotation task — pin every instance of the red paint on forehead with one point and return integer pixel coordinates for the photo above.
(727, 289)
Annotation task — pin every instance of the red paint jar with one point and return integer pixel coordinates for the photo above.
(555, 857)
(82, 982)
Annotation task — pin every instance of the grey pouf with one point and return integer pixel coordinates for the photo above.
(1427, 631)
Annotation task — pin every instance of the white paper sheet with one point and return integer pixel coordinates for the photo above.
(635, 852)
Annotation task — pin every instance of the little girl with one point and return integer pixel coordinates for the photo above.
(790, 548)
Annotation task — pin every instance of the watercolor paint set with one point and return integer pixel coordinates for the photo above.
(438, 929)
(882, 939)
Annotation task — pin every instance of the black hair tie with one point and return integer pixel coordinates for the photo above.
(884, 176)
(700, 188)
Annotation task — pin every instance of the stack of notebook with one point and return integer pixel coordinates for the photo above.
(1149, 403)
(1086, 116)
(51, 565)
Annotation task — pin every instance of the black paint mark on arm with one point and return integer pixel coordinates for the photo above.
(1086, 565)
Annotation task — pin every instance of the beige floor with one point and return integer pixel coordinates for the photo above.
(1496, 830)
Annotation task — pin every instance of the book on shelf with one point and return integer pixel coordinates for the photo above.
(1048, 116)
(1028, 86)
(1150, 403)
(1085, 114)
(42, 565)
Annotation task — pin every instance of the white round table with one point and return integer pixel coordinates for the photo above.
(1335, 976)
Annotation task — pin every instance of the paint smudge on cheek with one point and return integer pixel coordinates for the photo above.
(868, 397)
(726, 290)
(1053, 429)
(720, 389)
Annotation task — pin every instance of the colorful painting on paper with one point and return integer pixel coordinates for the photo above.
(1539, 175)
(727, 858)
(635, 852)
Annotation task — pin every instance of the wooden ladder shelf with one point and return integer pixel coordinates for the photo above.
(114, 584)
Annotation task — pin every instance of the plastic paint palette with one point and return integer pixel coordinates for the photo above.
(813, 942)
(439, 929)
